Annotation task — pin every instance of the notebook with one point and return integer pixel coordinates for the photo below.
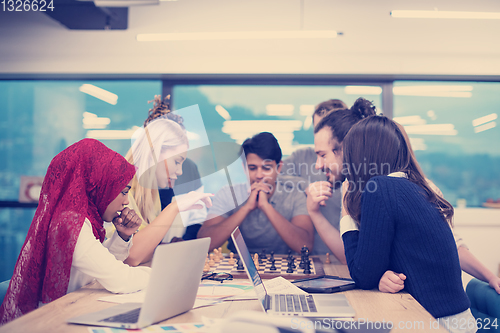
(175, 276)
(322, 305)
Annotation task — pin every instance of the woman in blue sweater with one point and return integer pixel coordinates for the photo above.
(394, 221)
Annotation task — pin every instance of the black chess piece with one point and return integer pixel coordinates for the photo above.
(272, 256)
(293, 263)
(289, 254)
(259, 259)
(273, 267)
(263, 255)
(290, 268)
(240, 265)
(307, 267)
(302, 261)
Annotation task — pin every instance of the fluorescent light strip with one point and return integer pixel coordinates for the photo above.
(418, 144)
(485, 127)
(307, 123)
(223, 112)
(410, 120)
(432, 129)
(279, 109)
(436, 14)
(99, 93)
(457, 94)
(362, 90)
(484, 120)
(306, 110)
(111, 134)
(426, 89)
(434, 91)
(274, 126)
(241, 35)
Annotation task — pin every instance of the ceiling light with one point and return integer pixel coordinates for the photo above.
(445, 14)
(485, 127)
(223, 112)
(410, 120)
(418, 144)
(273, 126)
(111, 134)
(484, 120)
(241, 35)
(306, 110)
(307, 123)
(434, 91)
(99, 93)
(92, 121)
(432, 129)
(279, 109)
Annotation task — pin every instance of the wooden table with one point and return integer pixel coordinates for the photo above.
(401, 309)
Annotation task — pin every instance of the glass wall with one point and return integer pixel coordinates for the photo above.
(232, 113)
(453, 130)
(452, 127)
(41, 118)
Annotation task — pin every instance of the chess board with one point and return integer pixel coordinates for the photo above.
(281, 264)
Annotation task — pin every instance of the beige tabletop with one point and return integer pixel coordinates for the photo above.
(399, 311)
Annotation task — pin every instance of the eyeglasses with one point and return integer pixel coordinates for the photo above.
(221, 276)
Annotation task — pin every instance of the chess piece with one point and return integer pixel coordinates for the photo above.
(327, 261)
(211, 262)
(272, 256)
(207, 267)
(239, 266)
(216, 255)
(263, 255)
(302, 260)
(273, 266)
(307, 267)
(256, 260)
(231, 259)
(289, 269)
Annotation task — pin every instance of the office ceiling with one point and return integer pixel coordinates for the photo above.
(372, 42)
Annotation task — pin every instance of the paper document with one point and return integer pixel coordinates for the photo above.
(138, 297)
(219, 290)
(278, 285)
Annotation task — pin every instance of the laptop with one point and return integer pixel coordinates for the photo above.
(176, 272)
(319, 305)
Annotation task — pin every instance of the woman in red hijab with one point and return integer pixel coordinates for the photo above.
(64, 250)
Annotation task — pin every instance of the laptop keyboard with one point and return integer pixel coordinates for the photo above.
(126, 317)
(291, 303)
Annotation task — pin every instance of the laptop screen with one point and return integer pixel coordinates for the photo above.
(252, 272)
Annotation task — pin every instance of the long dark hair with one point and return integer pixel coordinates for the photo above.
(375, 146)
(341, 121)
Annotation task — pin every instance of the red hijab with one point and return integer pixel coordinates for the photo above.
(80, 183)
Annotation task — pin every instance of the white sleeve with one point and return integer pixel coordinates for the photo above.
(93, 259)
(118, 247)
(347, 223)
(194, 216)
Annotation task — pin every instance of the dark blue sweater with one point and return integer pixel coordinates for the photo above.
(403, 232)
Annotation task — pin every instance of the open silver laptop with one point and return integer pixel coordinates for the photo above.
(175, 277)
(318, 305)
